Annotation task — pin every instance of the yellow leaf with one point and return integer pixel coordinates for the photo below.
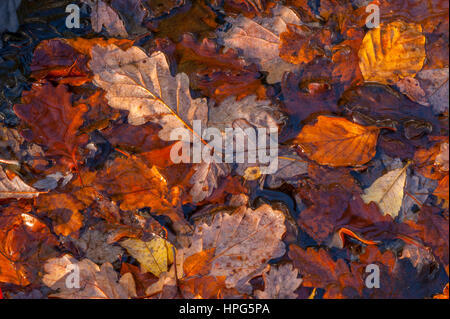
(391, 52)
(387, 191)
(154, 256)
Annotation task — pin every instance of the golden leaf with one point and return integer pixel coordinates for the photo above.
(391, 52)
(154, 256)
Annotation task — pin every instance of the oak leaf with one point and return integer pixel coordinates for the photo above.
(280, 283)
(136, 185)
(338, 142)
(259, 40)
(103, 15)
(64, 210)
(243, 243)
(53, 120)
(144, 86)
(392, 51)
(95, 282)
(25, 242)
(14, 187)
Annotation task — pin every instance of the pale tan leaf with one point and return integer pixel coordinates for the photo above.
(280, 283)
(94, 282)
(243, 243)
(144, 86)
(387, 191)
(15, 187)
(259, 40)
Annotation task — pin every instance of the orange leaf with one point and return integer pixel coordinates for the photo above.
(337, 142)
(199, 263)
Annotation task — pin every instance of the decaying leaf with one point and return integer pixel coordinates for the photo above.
(155, 256)
(95, 246)
(103, 15)
(53, 120)
(14, 187)
(338, 142)
(64, 210)
(243, 243)
(280, 283)
(144, 86)
(136, 185)
(259, 40)
(392, 51)
(387, 191)
(94, 282)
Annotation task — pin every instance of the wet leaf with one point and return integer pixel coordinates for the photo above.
(245, 240)
(338, 142)
(95, 282)
(154, 256)
(53, 120)
(280, 283)
(392, 51)
(158, 96)
(14, 187)
(387, 191)
(259, 40)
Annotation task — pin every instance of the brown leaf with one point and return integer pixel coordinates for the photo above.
(55, 60)
(64, 210)
(136, 185)
(53, 120)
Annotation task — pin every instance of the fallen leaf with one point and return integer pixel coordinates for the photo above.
(280, 283)
(25, 242)
(259, 40)
(144, 86)
(387, 191)
(245, 240)
(392, 51)
(103, 15)
(154, 256)
(53, 120)
(94, 245)
(95, 282)
(14, 187)
(64, 210)
(55, 60)
(136, 185)
(338, 142)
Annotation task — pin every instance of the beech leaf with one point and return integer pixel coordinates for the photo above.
(337, 142)
(392, 51)
(387, 191)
